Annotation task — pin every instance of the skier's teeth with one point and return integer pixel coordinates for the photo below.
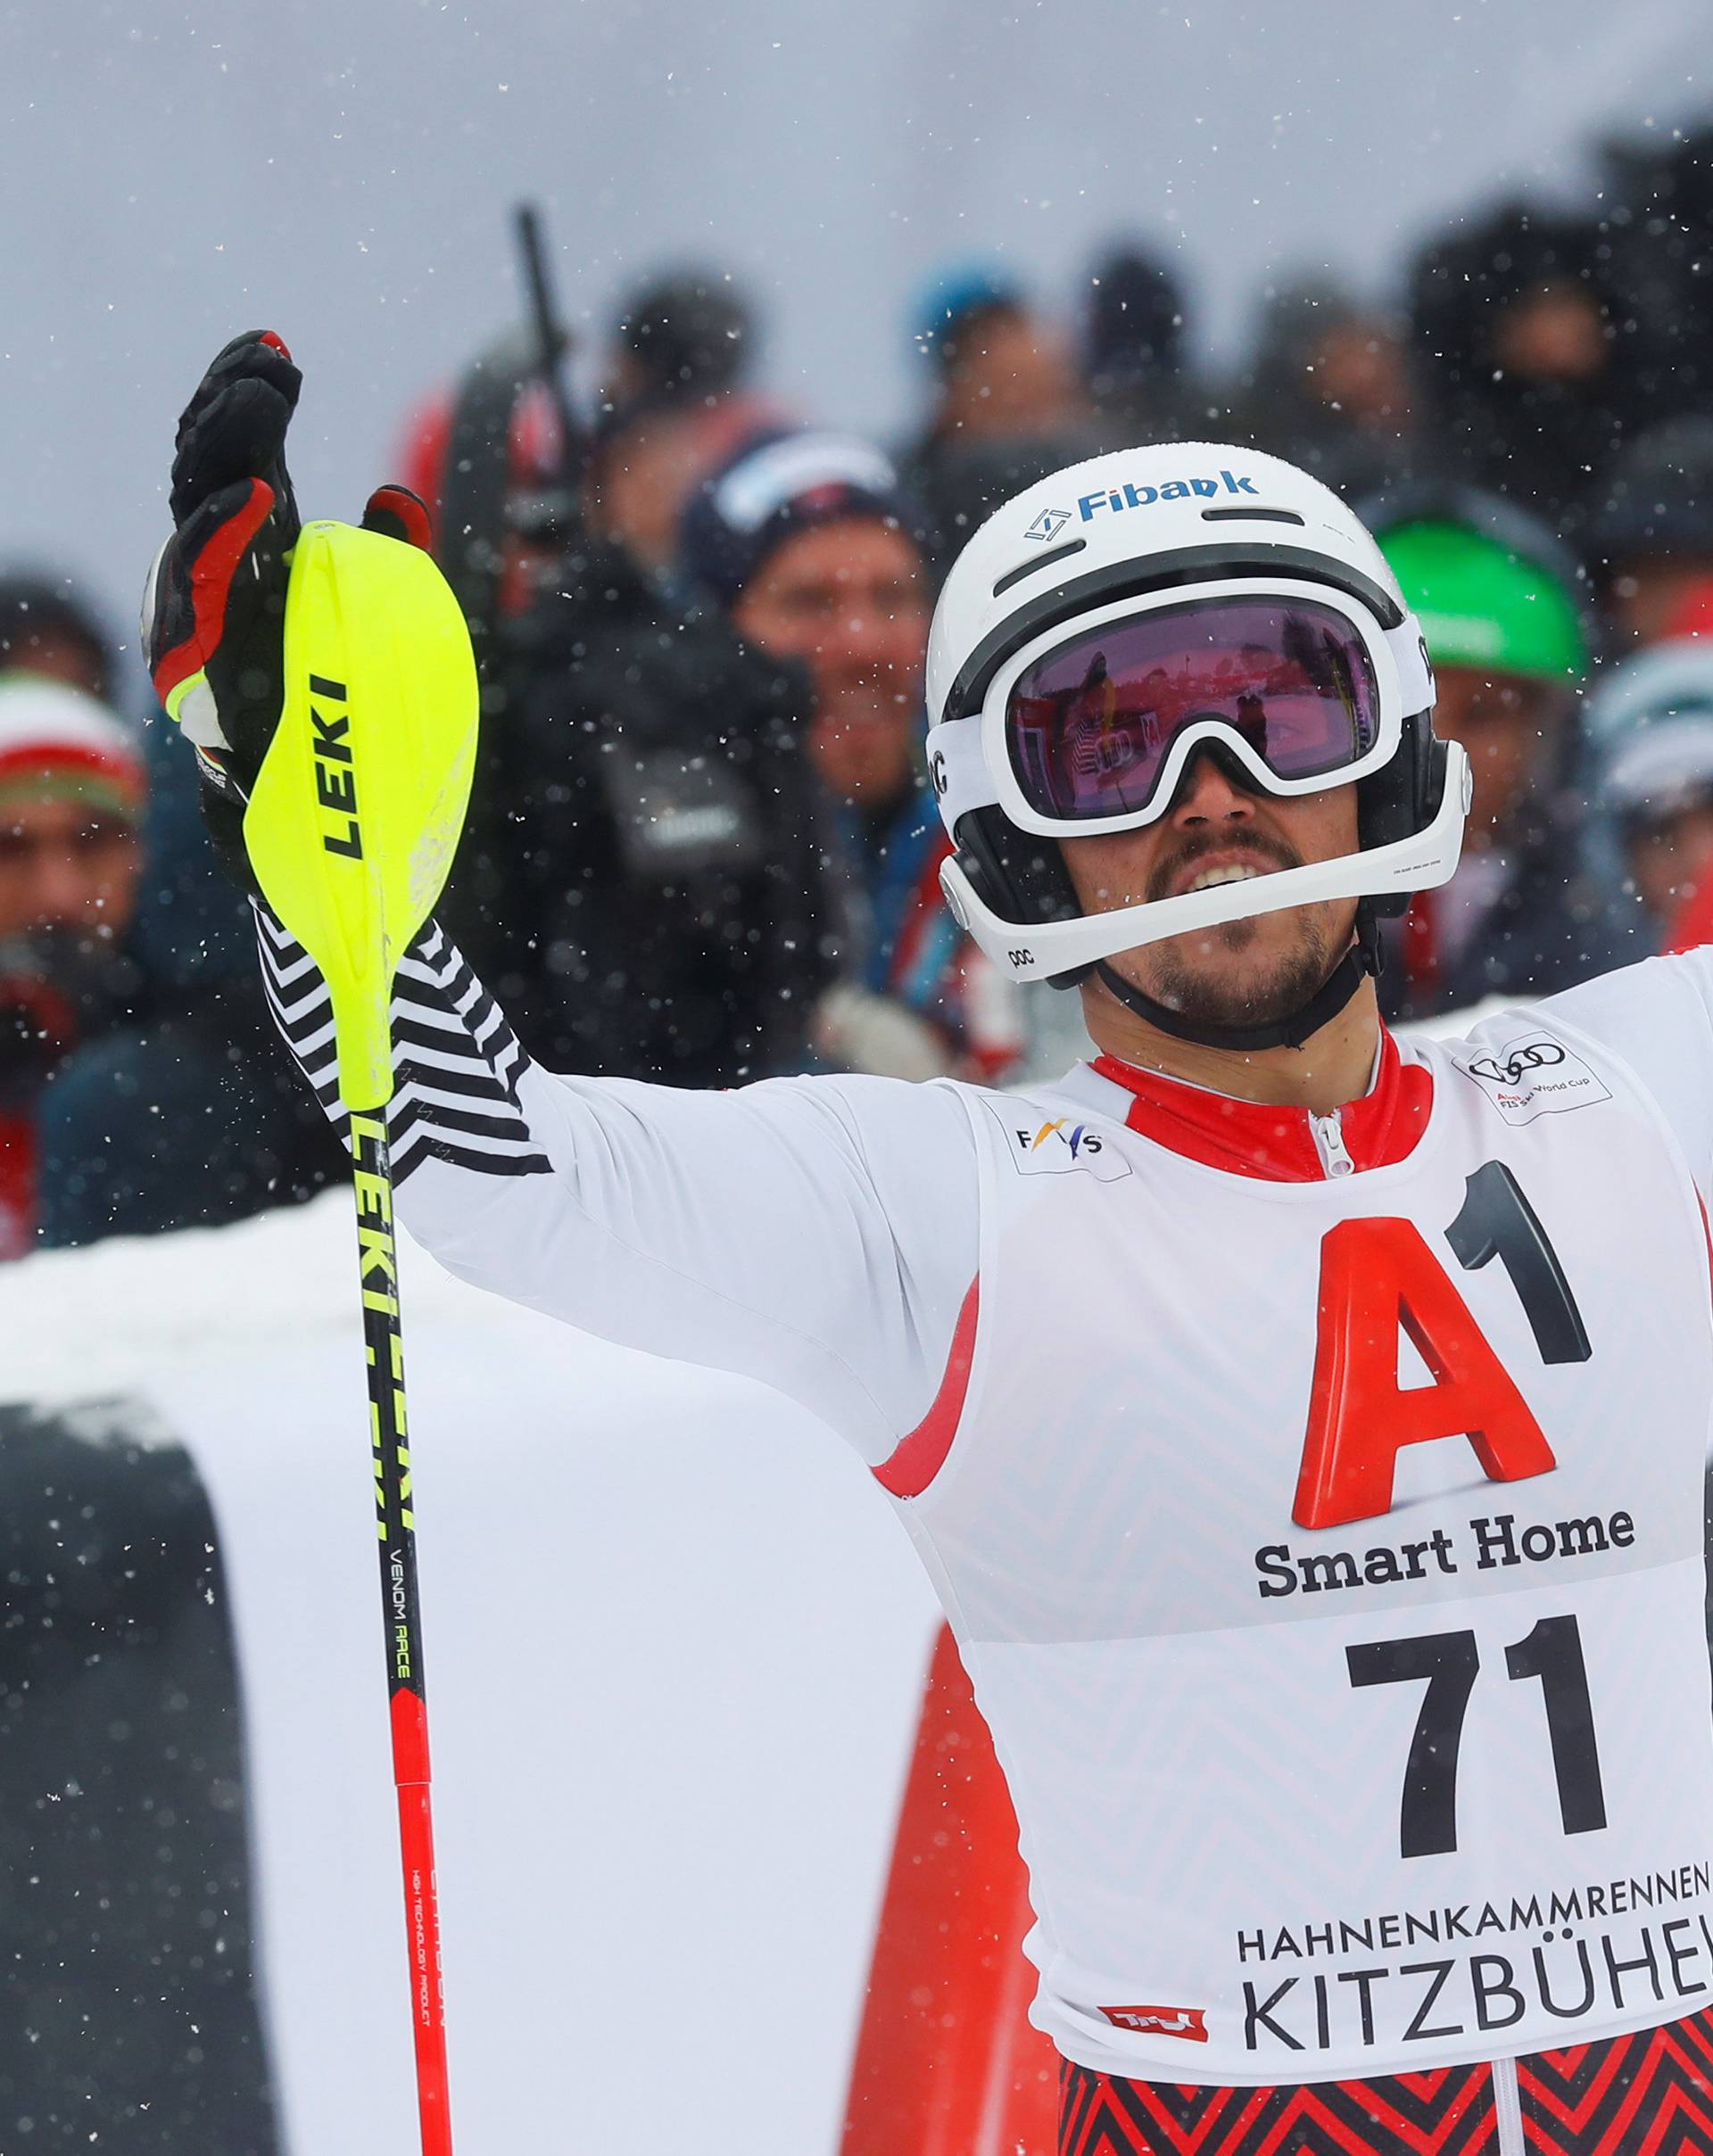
(1210, 876)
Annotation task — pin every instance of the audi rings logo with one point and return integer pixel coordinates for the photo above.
(1531, 1077)
(1536, 1055)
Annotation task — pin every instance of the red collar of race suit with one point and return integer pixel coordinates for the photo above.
(1244, 1139)
(1270, 1144)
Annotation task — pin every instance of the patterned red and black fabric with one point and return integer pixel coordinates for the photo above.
(1650, 2094)
(1448, 2113)
(1646, 2094)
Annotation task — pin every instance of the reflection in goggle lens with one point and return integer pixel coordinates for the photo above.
(1090, 725)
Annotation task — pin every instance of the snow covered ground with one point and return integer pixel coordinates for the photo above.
(674, 1647)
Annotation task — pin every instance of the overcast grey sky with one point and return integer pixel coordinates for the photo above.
(341, 170)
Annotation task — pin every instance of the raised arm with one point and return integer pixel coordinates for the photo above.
(818, 1234)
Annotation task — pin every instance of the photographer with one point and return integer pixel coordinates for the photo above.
(663, 911)
(641, 872)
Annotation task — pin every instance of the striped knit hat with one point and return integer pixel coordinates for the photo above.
(783, 481)
(56, 741)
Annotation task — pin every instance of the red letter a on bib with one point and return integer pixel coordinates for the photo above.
(1377, 1277)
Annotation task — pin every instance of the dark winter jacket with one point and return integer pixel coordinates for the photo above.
(641, 882)
(1543, 443)
(180, 1109)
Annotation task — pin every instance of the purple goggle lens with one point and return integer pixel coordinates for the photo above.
(1089, 724)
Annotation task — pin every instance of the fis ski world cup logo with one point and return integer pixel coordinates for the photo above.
(1060, 1129)
(1049, 525)
(1060, 1144)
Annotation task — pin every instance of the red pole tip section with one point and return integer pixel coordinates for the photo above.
(409, 1738)
(422, 1940)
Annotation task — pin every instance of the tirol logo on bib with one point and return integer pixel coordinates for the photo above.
(1190, 2022)
(1533, 1077)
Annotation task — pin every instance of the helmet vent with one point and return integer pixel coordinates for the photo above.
(1251, 516)
(1046, 561)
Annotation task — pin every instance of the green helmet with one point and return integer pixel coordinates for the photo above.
(1483, 605)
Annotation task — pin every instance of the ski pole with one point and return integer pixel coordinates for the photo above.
(350, 829)
(408, 1701)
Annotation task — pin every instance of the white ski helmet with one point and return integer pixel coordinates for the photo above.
(1105, 624)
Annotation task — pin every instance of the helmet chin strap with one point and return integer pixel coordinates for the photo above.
(1359, 963)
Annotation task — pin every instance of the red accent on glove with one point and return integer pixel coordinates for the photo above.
(211, 571)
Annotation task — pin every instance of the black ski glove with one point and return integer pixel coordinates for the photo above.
(215, 605)
(214, 608)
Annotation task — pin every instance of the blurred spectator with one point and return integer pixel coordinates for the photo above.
(1134, 361)
(1517, 319)
(72, 799)
(1651, 534)
(1329, 389)
(1651, 726)
(1658, 209)
(1527, 912)
(1660, 789)
(1006, 407)
(46, 629)
(808, 542)
(140, 1089)
(673, 407)
(182, 1112)
(188, 923)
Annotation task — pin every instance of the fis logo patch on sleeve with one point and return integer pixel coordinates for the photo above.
(1057, 1144)
(1533, 1076)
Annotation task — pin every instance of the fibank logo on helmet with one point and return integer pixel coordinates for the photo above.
(1049, 525)
(1130, 496)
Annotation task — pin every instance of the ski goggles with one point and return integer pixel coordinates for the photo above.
(1091, 726)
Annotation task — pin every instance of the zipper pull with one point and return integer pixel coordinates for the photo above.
(1330, 1139)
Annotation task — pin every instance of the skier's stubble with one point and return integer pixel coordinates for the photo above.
(1244, 973)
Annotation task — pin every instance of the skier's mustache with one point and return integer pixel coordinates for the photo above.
(1165, 872)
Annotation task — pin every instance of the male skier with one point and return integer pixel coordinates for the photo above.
(1305, 1431)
